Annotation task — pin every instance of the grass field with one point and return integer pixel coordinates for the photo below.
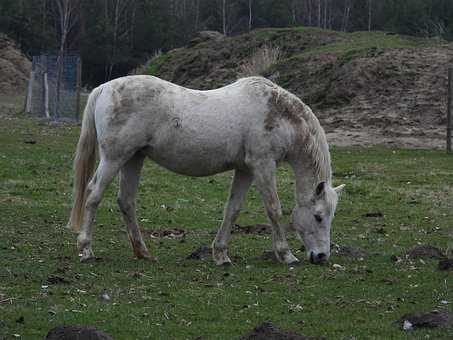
(409, 193)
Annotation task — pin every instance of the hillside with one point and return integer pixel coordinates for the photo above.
(366, 88)
(14, 67)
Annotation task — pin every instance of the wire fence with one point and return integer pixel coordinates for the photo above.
(51, 93)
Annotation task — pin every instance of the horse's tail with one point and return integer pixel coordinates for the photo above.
(84, 161)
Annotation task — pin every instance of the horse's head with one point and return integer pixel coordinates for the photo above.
(312, 221)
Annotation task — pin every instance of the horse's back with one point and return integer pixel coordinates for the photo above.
(188, 131)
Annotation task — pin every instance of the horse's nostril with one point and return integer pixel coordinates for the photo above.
(322, 257)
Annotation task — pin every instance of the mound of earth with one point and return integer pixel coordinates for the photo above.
(268, 331)
(76, 333)
(14, 67)
(366, 88)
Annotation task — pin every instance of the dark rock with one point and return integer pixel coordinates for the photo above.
(77, 333)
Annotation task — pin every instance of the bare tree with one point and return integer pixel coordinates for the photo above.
(118, 15)
(67, 19)
(250, 15)
(346, 13)
(224, 16)
(319, 13)
(370, 4)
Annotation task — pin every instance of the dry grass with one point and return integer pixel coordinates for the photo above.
(261, 60)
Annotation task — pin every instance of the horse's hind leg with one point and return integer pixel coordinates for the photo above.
(239, 188)
(266, 183)
(104, 175)
(129, 179)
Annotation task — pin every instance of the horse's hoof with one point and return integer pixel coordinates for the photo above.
(88, 259)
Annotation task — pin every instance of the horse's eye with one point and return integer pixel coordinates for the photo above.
(318, 218)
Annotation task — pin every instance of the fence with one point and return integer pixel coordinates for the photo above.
(449, 108)
(48, 97)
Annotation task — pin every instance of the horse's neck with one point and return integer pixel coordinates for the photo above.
(308, 177)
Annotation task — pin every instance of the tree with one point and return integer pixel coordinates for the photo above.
(67, 19)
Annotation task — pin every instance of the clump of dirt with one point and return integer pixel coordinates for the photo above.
(350, 251)
(429, 320)
(76, 333)
(14, 67)
(165, 233)
(268, 331)
(252, 229)
(57, 279)
(202, 253)
(446, 264)
(425, 251)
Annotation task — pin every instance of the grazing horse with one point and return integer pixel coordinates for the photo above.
(249, 126)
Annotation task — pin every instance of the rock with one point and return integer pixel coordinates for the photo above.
(76, 333)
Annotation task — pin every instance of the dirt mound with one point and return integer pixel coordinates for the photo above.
(268, 331)
(76, 333)
(425, 252)
(366, 88)
(14, 67)
(428, 320)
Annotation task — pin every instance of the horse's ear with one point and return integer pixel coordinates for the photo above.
(339, 189)
(320, 190)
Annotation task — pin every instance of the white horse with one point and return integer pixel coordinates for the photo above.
(249, 126)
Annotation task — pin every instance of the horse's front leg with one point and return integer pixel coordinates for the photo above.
(239, 188)
(266, 183)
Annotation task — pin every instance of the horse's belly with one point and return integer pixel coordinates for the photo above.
(188, 161)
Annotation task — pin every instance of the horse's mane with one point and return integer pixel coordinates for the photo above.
(316, 146)
(313, 135)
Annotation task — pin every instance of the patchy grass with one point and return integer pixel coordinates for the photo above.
(155, 63)
(185, 299)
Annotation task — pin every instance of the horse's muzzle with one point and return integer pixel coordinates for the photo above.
(320, 258)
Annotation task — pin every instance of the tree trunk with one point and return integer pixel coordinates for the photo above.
(224, 25)
(370, 2)
(250, 15)
(319, 13)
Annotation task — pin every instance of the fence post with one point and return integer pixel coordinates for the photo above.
(449, 109)
(28, 101)
(78, 88)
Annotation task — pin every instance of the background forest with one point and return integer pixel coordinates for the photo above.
(114, 36)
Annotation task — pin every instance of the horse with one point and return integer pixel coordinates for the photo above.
(250, 126)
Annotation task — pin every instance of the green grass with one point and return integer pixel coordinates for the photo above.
(185, 299)
(156, 62)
